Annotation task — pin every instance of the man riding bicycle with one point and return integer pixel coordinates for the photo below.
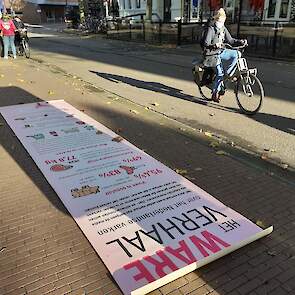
(216, 56)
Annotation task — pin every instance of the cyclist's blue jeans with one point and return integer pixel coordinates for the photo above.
(9, 41)
(228, 59)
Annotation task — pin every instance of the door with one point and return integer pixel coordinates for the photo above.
(186, 10)
(167, 10)
(277, 10)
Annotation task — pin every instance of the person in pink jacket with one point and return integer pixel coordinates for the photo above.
(8, 28)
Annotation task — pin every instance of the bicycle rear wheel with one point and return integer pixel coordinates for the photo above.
(206, 92)
(26, 48)
(249, 94)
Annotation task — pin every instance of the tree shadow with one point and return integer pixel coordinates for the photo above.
(161, 88)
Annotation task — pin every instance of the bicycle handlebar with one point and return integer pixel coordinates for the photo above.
(226, 45)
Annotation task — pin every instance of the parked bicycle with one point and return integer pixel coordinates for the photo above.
(23, 47)
(248, 89)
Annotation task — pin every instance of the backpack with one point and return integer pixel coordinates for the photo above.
(205, 28)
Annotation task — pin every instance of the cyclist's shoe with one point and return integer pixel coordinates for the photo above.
(221, 92)
(216, 97)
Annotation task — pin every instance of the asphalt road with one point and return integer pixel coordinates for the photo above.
(152, 75)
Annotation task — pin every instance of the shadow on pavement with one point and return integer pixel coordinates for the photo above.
(278, 122)
(161, 88)
(148, 59)
(12, 96)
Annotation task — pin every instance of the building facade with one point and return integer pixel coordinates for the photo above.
(195, 10)
(40, 11)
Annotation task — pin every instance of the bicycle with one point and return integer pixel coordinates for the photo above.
(248, 88)
(23, 46)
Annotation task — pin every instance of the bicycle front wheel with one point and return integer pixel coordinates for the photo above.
(249, 94)
(26, 48)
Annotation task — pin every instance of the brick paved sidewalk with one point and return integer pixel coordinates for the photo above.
(42, 250)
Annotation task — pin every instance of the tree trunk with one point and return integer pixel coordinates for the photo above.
(149, 10)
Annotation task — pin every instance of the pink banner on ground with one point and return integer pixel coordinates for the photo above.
(148, 224)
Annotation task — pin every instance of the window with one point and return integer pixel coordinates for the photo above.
(137, 3)
(130, 6)
(271, 8)
(284, 9)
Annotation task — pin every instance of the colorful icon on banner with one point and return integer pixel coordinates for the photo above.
(85, 191)
(53, 133)
(127, 169)
(60, 167)
(37, 136)
(89, 127)
(80, 123)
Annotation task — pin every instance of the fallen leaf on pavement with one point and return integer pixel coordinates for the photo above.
(182, 129)
(155, 104)
(181, 171)
(147, 108)
(221, 153)
(260, 223)
(284, 166)
(9, 84)
(208, 134)
(2, 249)
(82, 111)
(134, 112)
(264, 157)
(109, 102)
(50, 92)
(214, 144)
(21, 80)
(2, 76)
(212, 114)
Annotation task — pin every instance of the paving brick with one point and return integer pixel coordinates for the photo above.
(60, 291)
(267, 287)
(234, 284)
(19, 291)
(68, 279)
(193, 285)
(278, 291)
(176, 284)
(41, 282)
(249, 286)
(194, 275)
(42, 290)
(200, 291)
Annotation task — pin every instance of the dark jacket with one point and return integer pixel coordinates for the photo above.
(214, 36)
